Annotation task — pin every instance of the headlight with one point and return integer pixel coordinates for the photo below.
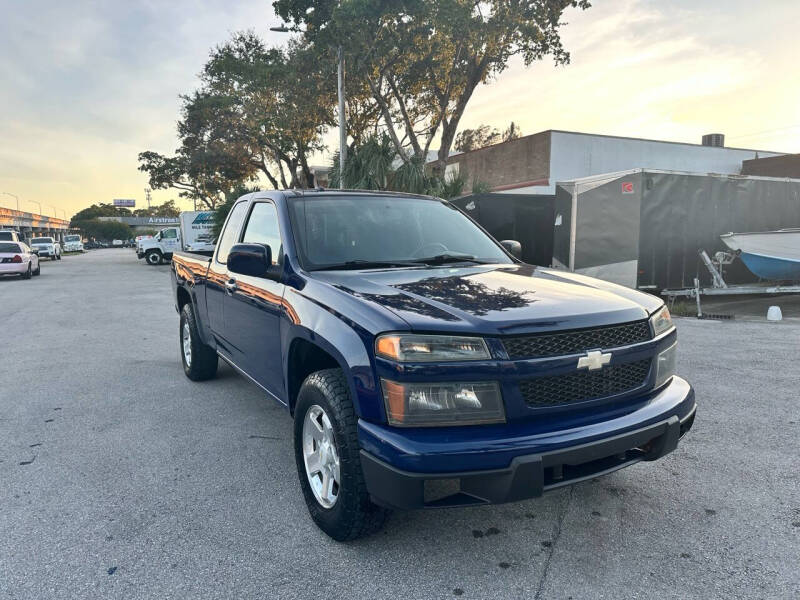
(441, 404)
(661, 321)
(665, 364)
(428, 348)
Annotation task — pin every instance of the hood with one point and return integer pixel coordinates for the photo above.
(493, 299)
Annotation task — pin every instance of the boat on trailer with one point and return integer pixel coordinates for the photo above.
(771, 255)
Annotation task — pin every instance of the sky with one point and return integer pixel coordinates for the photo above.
(87, 85)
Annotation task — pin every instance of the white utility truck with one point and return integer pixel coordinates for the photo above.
(194, 227)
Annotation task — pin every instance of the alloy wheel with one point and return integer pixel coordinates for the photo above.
(320, 456)
(186, 338)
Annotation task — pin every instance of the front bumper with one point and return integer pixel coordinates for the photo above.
(552, 461)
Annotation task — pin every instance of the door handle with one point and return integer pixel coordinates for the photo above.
(230, 286)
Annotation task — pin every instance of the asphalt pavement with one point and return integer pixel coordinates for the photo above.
(120, 478)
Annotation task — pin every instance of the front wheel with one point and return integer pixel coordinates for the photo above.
(199, 360)
(153, 257)
(328, 460)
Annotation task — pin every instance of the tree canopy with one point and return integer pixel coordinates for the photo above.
(421, 60)
(258, 112)
(484, 135)
(412, 68)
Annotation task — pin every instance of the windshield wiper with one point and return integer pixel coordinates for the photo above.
(367, 264)
(449, 257)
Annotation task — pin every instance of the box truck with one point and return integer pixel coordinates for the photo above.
(195, 229)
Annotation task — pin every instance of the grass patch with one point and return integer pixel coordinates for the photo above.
(683, 308)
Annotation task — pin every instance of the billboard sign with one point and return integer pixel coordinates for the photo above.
(126, 202)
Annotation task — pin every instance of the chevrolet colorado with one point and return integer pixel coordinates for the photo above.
(424, 365)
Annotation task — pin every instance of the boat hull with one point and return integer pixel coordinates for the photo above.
(768, 254)
(768, 267)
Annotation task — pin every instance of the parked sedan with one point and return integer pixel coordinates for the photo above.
(47, 246)
(17, 258)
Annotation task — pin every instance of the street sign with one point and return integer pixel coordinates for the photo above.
(126, 202)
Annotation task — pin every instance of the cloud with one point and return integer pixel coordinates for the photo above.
(648, 70)
(88, 85)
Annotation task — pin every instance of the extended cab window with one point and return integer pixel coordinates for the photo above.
(169, 234)
(262, 228)
(228, 237)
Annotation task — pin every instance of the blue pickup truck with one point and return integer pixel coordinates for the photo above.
(424, 365)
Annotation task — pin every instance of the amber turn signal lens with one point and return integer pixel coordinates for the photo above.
(388, 346)
(395, 396)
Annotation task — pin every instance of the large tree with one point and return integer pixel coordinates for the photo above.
(207, 164)
(259, 111)
(281, 103)
(423, 59)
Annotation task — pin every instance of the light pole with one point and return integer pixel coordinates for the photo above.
(39, 204)
(13, 196)
(340, 91)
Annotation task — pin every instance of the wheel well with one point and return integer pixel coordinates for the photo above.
(305, 358)
(183, 298)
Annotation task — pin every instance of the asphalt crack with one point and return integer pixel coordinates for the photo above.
(552, 546)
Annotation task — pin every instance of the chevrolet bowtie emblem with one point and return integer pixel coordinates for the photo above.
(594, 360)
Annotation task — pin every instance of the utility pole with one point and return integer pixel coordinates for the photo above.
(342, 117)
(342, 124)
(147, 192)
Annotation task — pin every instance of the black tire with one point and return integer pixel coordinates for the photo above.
(59, 257)
(353, 515)
(27, 274)
(203, 362)
(153, 257)
(38, 270)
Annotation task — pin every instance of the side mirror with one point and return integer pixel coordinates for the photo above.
(35, 251)
(252, 259)
(513, 247)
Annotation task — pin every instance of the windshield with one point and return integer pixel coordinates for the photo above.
(398, 231)
(42, 241)
(6, 235)
(6, 247)
(72, 238)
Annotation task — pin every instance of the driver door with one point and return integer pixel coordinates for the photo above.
(254, 306)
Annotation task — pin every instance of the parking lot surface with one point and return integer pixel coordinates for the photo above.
(120, 478)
